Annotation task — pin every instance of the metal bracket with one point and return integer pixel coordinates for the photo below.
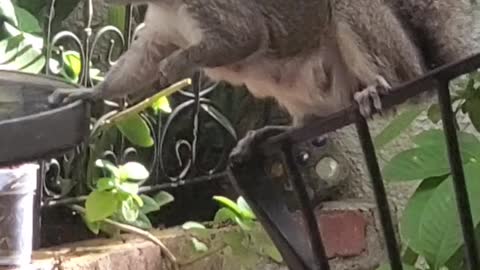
(300, 246)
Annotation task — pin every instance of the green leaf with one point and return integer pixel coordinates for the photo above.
(136, 130)
(163, 198)
(245, 208)
(73, 65)
(223, 215)
(264, 244)
(198, 245)
(149, 205)
(469, 144)
(162, 104)
(415, 210)
(105, 183)
(16, 53)
(416, 164)
(472, 106)
(192, 225)
(226, 202)
(7, 12)
(245, 224)
(26, 21)
(9, 44)
(133, 171)
(434, 113)
(142, 222)
(436, 137)
(32, 6)
(234, 239)
(138, 200)
(100, 205)
(129, 210)
(245, 255)
(93, 226)
(396, 127)
(430, 158)
(109, 166)
(436, 235)
(129, 188)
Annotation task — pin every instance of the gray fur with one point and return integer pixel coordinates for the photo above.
(311, 55)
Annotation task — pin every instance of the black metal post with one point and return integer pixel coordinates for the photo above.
(380, 194)
(316, 243)
(455, 159)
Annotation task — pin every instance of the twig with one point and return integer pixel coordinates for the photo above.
(141, 106)
(134, 230)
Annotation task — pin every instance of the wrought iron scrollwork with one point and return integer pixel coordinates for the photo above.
(62, 187)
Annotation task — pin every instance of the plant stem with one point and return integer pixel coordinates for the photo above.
(134, 230)
(141, 106)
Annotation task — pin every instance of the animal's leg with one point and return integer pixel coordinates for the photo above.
(214, 50)
(135, 70)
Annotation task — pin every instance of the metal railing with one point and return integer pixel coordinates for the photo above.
(265, 196)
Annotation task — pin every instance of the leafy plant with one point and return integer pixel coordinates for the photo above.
(21, 44)
(430, 229)
(116, 196)
(248, 244)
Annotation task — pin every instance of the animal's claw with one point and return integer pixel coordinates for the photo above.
(370, 97)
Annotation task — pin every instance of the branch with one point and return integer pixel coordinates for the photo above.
(115, 116)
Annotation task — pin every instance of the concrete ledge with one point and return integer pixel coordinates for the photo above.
(349, 229)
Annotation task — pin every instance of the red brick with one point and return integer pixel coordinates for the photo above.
(344, 232)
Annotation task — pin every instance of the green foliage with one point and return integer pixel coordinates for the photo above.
(429, 157)
(429, 227)
(116, 196)
(161, 104)
(248, 244)
(397, 126)
(20, 45)
(126, 205)
(136, 130)
(434, 231)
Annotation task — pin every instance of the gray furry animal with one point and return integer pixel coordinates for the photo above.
(314, 57)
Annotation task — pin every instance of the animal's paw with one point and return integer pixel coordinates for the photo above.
(247, 146)
(67, 95)
(369, 97)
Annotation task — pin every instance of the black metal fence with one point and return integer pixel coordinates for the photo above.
(180, 157)
(265, 196)
(90, 44)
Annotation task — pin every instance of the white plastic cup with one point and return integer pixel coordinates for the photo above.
(17, 190)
